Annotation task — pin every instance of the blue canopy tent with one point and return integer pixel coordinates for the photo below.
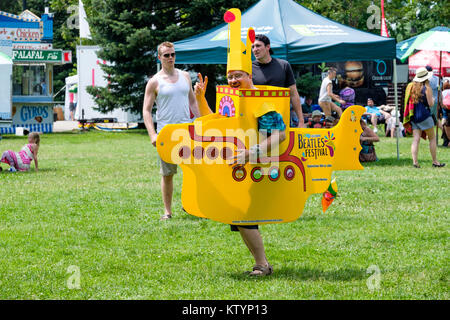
(297, 34)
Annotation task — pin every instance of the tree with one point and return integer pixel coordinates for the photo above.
(307, 85)
(128, 32)
(405, 18)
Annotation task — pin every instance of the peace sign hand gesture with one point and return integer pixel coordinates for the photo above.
(200, 86)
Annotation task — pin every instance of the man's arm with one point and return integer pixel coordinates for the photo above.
(295, 101)
(149, 101)
(200, 90)
(265, 148)
(192, 101)
(429, 93)
(333, 96)
(369, 136)
(275, 139)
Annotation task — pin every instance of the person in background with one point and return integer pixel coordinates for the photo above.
(445, 106)
(330, 122)
(390, 125)
(368, 137)
(316, 120)
(43, 88)
(374, 114)
(347, 94)
(434, 84)
(326, 95)
(307, 108)
(20, 161)
(73, 101)
(269, 71)
(418, 115)
(172, 92)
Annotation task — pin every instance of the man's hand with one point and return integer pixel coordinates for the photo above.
(241, 158)
(153, 139)
(200, 86)
(301, 123)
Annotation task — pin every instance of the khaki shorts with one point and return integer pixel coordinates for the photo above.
(166, 169)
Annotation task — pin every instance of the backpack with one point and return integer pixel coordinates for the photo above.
(347, 94)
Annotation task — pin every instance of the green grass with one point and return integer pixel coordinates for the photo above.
(95, 204)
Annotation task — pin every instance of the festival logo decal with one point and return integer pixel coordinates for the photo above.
(329, 143)
(316, 146)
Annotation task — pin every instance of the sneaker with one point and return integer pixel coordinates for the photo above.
(12, 169)
(375, 129)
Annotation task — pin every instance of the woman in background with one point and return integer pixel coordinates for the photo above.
(418, 115)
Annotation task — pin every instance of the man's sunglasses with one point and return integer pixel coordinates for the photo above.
(166, 55)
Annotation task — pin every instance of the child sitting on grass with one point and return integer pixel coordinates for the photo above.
(21, 160)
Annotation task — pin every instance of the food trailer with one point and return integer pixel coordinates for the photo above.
(33, 58)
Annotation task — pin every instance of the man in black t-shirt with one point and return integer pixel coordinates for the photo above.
(274, 72)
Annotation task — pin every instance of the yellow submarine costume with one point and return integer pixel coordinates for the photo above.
(272, 188)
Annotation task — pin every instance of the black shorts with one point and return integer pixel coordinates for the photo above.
(235, 227)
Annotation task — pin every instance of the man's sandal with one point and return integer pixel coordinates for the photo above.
(259, 270)
(165, 217)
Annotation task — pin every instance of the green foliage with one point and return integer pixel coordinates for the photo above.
(307, 85)
(323, 67)
(129, 31)
(65, 37)
(404, 18)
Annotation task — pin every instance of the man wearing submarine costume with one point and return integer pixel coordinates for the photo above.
(235, 174)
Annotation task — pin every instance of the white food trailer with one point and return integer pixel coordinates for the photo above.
(91, 74)
(6, 65)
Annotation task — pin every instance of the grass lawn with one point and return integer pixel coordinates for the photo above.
(86, 226)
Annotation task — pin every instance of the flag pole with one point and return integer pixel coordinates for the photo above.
(384, 33)
(438, 98)
(397, 115)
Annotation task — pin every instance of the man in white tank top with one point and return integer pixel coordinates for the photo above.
(172, 92)
(326, 95)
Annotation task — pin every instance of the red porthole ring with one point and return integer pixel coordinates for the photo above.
(226, 153)
(239, 174)
(257, 174)
(198, 152)
(212, 153)
(184, 153)
(274, 173)
(289, 173)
